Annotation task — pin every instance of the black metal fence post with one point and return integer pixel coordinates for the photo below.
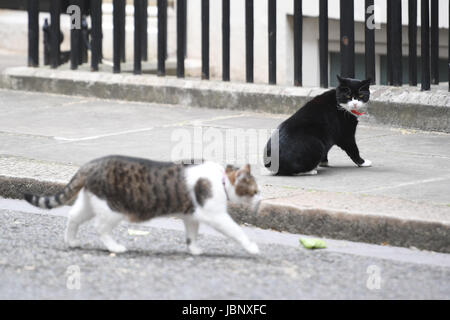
(138, 7)
(298, 42)
(434, 33)
(272, 41)
(226, 40)
(425, 44)
(144, 27)
(162, 39)
(96, 39)
(412, 42)
(448, 62)
(122, 32)
(205, 39)
(323, 42)
(389, 71)
(249, 38)
(397, 74)
(55, 35)
(347, 21)
(116, 35)
(75, 42)
(369, 39)
(181, 35)
(33, 33)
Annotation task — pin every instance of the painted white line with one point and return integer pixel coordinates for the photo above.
(104, 135)
(405, 184)
(196, 122)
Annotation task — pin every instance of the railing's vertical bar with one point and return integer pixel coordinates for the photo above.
(55, 36)
(347, 22)
(46, 35)
(298, 42)
(448, 49)
(272, 23)
(249, 39)
(369, 39)
(138, 7)
(122, 24)
(389, 72)
(116, 35)
(144, 27)
(434, 32)
(84, 34)
(33, 33)
(162, 40)
(205, 39)
(323, 42)
(397, 73)
(425, 43)
(226, 40)
(181, 17)
(75, 44)
(96, 42)
(412, 41)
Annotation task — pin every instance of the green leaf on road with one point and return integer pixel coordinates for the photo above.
(132, 232)
(313, 243)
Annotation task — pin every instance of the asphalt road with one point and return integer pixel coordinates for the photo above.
(35, 264)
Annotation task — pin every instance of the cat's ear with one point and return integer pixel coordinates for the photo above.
(366, 83)
(247, 168)
(230, 168)
(339, 78)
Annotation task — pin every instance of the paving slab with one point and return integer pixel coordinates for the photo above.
(404, 199)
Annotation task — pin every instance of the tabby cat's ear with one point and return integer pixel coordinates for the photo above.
(230, 168)
(247, 168)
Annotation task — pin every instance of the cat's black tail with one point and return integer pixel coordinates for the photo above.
(61, 198)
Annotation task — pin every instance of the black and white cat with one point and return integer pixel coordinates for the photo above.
(329, 119)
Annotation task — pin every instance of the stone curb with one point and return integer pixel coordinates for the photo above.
(398, 106)
(336, 224)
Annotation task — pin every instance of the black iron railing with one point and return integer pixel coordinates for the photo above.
(78, 53)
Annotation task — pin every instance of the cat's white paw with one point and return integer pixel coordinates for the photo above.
(195, 250)
(367, 163)
(309, 173)
(252, 248)
(73, 243)
(117, 248)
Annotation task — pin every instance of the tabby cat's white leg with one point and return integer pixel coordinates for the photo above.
(191, 227)
(79, 213)
(223, 223)
(106, 221)
(308, 173)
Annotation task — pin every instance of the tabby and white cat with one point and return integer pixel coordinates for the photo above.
(113, 188)
(329, 119)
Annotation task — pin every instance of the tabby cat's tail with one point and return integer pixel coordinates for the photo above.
(61, 198)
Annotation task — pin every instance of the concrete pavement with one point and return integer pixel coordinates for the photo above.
(402, 200)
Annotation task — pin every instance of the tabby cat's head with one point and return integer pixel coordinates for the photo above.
(353, 94)
(245, 189)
